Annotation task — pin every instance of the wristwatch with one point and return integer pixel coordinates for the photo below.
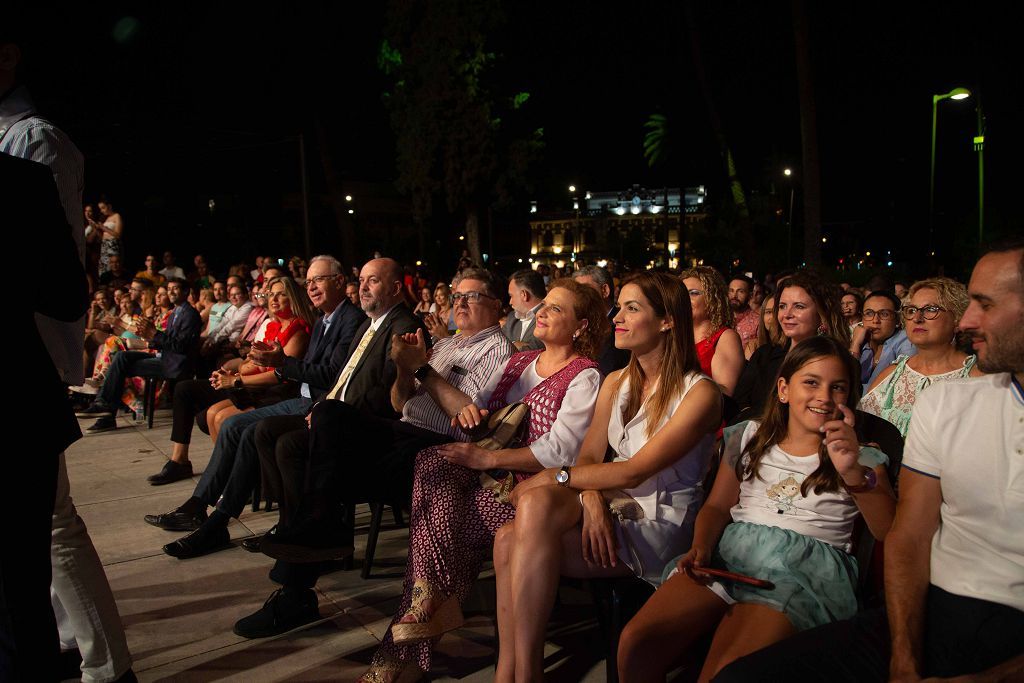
(237, 384)
(870, 482)
(562, 477)
(279, 375)
(422, 372)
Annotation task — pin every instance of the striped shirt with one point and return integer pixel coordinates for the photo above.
(28, 136)
(473, 365)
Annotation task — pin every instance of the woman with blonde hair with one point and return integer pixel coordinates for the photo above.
(719, 348)
(931, 312)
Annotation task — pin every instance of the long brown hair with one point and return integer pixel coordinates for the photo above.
(774, 424)
(827, 299)
(669, 300)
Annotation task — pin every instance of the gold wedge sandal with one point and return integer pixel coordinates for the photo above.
(447, 616)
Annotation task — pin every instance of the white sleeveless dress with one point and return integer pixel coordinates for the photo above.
(670, 499)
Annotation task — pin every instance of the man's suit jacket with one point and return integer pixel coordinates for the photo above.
(33, 212)
(326, 352)
(370, 385)
(532, 343)
(179, 344)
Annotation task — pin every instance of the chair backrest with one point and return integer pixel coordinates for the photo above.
(873, 429)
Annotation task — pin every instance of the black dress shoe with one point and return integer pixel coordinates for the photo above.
(176, 520)
(252, 544)
(171, 472)
(280, 613)
(202, 541)
(106, 423)
(311, 541)
(94, 409)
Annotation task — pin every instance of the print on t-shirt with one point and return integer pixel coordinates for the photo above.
(782, 494)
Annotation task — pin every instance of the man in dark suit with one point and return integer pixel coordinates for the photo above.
(611, 358)
(526, 292)
(28, 631)
(177, 347)
(228, 479)
(363, 381)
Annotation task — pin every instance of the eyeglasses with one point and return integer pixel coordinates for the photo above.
(884, 314)
(470, 297)
(930, 312)
(695, 292)
(317, 279)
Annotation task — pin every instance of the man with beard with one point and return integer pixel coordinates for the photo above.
(745, 318)
(954, 559)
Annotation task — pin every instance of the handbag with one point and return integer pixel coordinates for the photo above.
(622, 505)
(504, 428)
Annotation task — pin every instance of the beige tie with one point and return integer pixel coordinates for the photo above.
(350, 367)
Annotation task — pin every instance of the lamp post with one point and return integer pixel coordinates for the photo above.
(954, 94)
(788, 172)
(576, 227)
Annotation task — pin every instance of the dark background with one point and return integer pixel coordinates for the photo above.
(174, 105)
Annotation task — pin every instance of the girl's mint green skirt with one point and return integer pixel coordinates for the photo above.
(814, 582)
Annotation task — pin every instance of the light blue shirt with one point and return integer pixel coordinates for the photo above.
(895, 346)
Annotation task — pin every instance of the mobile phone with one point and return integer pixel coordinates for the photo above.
(280, 261)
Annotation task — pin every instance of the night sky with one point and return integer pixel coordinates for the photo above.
(178, 103)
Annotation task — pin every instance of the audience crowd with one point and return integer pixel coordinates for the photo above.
(571, 424)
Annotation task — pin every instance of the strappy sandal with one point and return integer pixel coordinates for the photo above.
(447, 616)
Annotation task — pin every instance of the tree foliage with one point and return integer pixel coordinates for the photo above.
(459, 133)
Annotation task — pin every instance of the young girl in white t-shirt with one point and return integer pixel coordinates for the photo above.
(782, 508)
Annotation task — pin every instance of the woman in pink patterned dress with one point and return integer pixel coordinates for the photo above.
(453, 517)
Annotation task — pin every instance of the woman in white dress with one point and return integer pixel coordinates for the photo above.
(112, 230)
(658, 415)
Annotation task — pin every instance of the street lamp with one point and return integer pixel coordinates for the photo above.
(788, 172)
(954, 94)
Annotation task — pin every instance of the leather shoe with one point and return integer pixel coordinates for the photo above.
(106, 423)
(311, 541)
(177, 520)
(94, 409)
(202, 541)
(172, 471)
(280, 613)
(252, 543)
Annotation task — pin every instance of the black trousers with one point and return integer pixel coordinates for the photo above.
(282, 442)
(355, 456)
(191, 397)
(962, 636)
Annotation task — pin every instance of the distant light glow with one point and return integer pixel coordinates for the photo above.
(824, 240)
(603, 263)
(587, 196)
(867, 253)
(634, 209)
(889, 263)
(572, 188)
(787, 171)
(520, 260)
(619, 211)
(461, 237)
(351, 211)
(557, 250)
(575, 205)
(533, 250)
(419, 263)
(655, 208)
(348, 198)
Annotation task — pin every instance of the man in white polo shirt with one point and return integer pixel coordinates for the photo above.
(954, 559)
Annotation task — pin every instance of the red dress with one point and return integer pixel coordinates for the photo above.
(706, 350)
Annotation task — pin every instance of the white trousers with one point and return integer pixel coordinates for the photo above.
(81, 596)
